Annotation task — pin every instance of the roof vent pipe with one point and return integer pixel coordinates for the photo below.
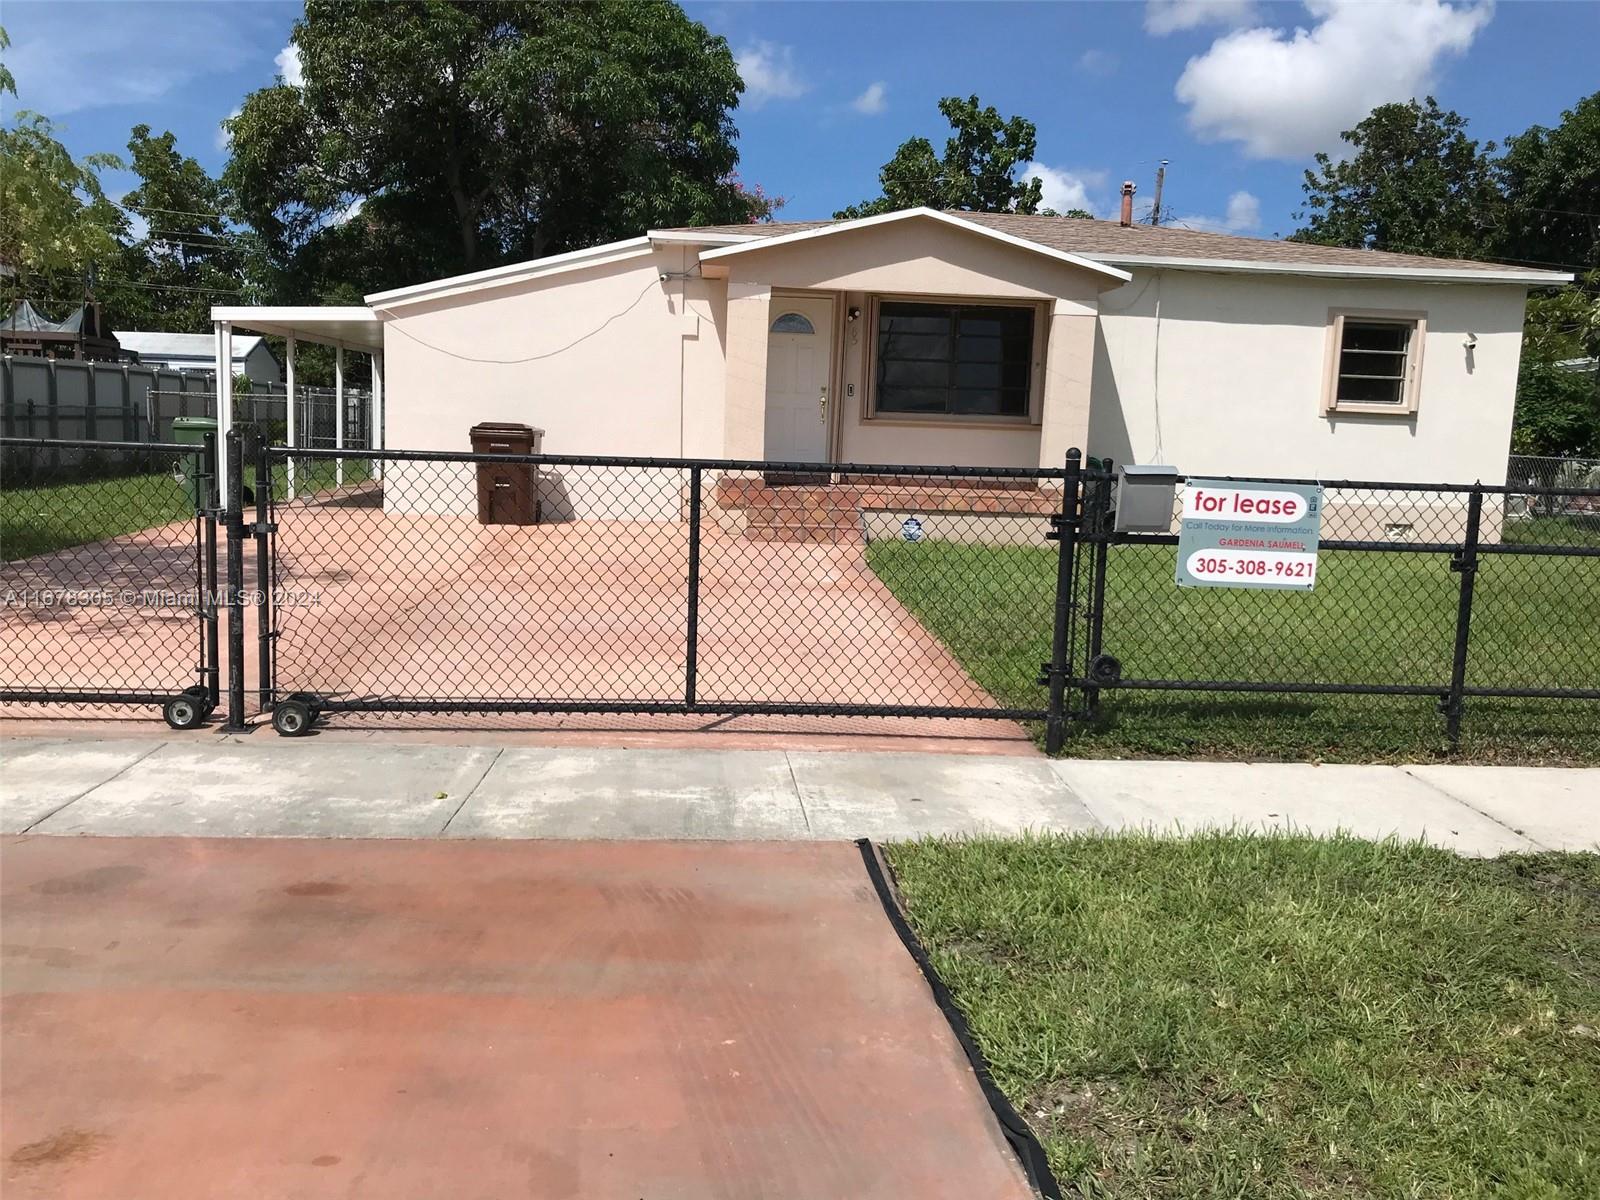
(1127, 202)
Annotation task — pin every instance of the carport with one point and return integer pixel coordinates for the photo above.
(347, 328)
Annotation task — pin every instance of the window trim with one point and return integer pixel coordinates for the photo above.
(1036, 373)
(1332, 406)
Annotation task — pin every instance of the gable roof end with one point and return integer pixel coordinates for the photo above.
(998, 235)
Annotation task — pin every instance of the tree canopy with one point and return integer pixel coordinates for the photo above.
(55, 218)
(438, 138)
(977, 172)
(186, 256)
(1413, 183)
(1551, 181)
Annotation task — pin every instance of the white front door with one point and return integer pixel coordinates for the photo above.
(799, 376)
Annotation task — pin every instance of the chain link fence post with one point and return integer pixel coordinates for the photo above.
(263, 531)
(233, 518)
(1465, 562)
(692, 652)
(1066, 534)
(206, 493)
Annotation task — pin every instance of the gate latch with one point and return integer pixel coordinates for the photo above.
(1057, 523)
(262, 528)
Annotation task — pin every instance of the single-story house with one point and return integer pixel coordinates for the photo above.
(252, 357)
(937, 338)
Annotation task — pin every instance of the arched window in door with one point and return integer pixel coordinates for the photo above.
(792, 322)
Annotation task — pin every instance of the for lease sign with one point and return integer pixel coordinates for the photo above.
(1249, 535)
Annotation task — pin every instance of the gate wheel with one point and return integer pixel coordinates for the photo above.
(311, 700)
(184, 712)
(1105, 668)
(292, 718)
(201, 696)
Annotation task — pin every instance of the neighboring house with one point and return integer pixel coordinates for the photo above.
(970, 339)
(252, 357)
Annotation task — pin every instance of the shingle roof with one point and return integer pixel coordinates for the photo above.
(1112, 242)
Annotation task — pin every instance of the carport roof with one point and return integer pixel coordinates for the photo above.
(354, 326)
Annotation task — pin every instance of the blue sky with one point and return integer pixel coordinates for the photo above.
(1237, 94)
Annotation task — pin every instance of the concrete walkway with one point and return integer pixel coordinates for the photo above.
(256, 787)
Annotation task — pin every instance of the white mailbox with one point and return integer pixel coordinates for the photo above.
(1144, 498)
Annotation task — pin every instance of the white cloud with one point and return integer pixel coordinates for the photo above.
(769, 73)
(1288, 93)
(65, 61)
(224, 139)
(288, 61)
(348, 211)
(1065, 190)
(1169, 16)
(1243, 216)
(1098, 62)
(872, 101)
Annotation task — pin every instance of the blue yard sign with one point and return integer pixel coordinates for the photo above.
(1249, 535)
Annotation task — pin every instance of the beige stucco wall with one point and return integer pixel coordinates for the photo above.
(928, 258)
(1239, 375)
(613, 361)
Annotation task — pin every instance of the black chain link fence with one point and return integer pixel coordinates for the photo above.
(1456, 593)
(402, 582)
(475, 582)
(108, 578)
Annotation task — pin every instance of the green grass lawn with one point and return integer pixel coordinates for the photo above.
(1373, 618)
(1555, 531)
(1237, 1016)
(38, 520)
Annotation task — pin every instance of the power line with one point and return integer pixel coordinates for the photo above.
(171, 287)
(176, 212)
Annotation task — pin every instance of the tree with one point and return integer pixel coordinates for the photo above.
(56, 223)
(435, 138)
(1551, 181)
(976, 174)
(1551, 218)
(188, 256)
(1558, 408)
(1413, 183)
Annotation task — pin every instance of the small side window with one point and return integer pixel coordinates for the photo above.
(1375, 363)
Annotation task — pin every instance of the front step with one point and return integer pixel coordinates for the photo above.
(771, 525)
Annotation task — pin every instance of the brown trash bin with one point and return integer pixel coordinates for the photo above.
(508, 493)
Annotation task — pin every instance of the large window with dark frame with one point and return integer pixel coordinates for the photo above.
(967, 360)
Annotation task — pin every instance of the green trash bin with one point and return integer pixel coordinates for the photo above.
(190, 470)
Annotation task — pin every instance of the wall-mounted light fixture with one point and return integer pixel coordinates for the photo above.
(852, 313)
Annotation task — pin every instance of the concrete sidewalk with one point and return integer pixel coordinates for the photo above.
(250, 787)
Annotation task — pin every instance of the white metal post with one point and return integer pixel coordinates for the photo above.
(224, 400)
(338, 411)
(376, 438)
(288, 379)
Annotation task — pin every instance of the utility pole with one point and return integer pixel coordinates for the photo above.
(1161, 178)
